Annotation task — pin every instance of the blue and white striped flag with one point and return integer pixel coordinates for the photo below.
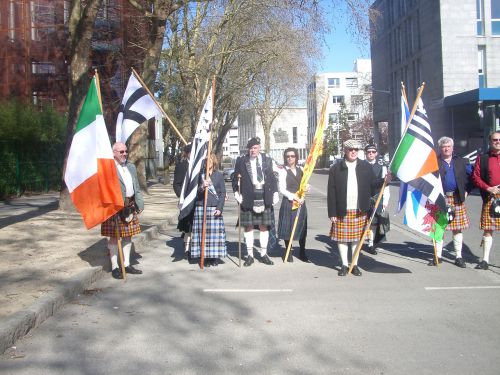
(196, 159)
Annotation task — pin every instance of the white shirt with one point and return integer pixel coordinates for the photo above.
(352, 185)
(127, 179)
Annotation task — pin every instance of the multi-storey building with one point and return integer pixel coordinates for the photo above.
(350, 88)
(289, 129)
(231, 147)
(451, 45)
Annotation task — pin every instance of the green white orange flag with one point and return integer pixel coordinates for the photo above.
(91, 175)
(315, 151)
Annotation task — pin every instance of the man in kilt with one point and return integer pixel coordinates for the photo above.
(486, 177)
(259, 192)
(455, 176)
(351, 184)
(289, 183)
(376, 233)
(126, 219)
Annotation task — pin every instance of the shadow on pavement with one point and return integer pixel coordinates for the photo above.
(13, 219)
(96, 255)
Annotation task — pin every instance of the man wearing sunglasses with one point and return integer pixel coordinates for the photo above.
(486, 177)
(351, 184)
(376, 234)
(127, 219)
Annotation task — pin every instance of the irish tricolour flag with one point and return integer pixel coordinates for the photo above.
(91, 175)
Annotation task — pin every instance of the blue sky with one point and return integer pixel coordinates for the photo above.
(341, 50)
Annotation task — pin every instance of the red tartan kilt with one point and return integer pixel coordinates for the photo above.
(461, 220)
(488, 222)
(349, 228)
(108, 228)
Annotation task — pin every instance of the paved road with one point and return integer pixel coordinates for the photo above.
(400, 317)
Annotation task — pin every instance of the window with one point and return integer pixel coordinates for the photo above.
(332, 118)
(351, 82)
(481, 66)
(495, 17)
(333, 82)
(338, 99)
(294, 134)
(352, 117)
(479, 16)
(43, 68)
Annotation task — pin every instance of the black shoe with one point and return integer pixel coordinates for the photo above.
(266, 260)
(433, 262)
(248, 262)
(132, 270)
(355, 271)
(460, 262)
(371, 250)
(304, 258)
(117, 273)
(290, 258)
(482, 265)
(213, 262)
(343, 271)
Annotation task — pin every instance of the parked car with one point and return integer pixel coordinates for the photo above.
(228, 174)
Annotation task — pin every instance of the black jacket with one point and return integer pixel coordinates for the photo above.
(368, 184)
(180, 171)
(463, 180)
(242, 167)
(220, 188)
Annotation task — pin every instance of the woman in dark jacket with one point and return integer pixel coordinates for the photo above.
(215, 234)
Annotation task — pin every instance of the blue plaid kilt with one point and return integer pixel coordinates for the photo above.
(250, 218)
(287, 218)
(108, 228)
(487, 221)
(349, 228)
(461, 220)
(215, 234)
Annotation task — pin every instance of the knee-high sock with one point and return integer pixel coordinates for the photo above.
(264, 239)
(343, 252)
(370, 238)
(487, 242)
(457, 244)
(113, 254)
(353, 250)
(126, 247)
(439, 248)
(249, 242)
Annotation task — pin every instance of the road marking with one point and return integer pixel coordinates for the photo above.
(247, 290)
(461, 287)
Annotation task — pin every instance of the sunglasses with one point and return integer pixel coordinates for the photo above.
(352, 149)
(495, 139)
(290, 156)
(122, 151)
(371, 152)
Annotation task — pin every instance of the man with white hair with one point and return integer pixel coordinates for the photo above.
(351, 184)
(455, 176)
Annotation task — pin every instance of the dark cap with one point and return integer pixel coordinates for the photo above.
(187, 148)
(370, 147)
(253, 141)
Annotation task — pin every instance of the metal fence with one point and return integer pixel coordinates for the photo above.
(30, 167)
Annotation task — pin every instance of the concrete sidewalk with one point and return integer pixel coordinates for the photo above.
(49, 257)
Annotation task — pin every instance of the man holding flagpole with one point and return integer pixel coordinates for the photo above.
(127, 219)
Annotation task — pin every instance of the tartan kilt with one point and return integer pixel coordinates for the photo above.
(349, 228)
(286, 219)
(461, 220)
(250, 218)
(215, 234)
(108, 228)
(487, 221)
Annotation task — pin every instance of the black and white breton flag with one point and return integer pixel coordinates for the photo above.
(196, 159)
(137, 106)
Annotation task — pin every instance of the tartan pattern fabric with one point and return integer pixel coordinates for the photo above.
(461, 220)
(286, 219)
(487, 222)
(348, 228)
(250, 218)
(108, 228)
(215, 234)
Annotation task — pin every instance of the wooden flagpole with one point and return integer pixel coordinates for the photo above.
(355, 255)
(159, 106)
(292, 234)
(118, 237)
(239, 222)
(209, 151)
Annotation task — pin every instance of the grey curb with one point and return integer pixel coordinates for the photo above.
(19, 324)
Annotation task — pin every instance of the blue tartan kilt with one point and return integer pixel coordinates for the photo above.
(215, 234)
(286, 219)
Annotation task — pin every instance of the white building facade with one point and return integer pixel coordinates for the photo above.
(230, 147)
(351, 88)
(289, 129)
